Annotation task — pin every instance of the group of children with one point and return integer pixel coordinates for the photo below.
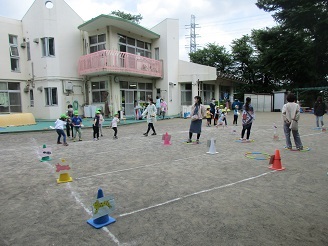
(220, 116)
(73, 124)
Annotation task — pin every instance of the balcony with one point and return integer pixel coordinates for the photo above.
(111, 61)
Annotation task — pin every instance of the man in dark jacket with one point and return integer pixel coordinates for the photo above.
(319, 110)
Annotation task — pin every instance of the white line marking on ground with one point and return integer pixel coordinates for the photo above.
(133, 168)
(74, 194)
(194, 194)
(78, 200)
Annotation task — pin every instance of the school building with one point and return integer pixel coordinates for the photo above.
(52, 58)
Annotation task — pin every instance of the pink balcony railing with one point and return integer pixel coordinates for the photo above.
(119, 62)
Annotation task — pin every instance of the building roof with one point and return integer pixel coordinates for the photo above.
(103, 21)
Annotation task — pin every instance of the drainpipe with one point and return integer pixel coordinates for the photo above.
(86, 86)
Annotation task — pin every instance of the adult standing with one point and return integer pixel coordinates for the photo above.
(150, 111)
(248, 117)
(212, 109)
(69, 126)
(319, 110)
(158, 105)
(291, 115)
(197, 113)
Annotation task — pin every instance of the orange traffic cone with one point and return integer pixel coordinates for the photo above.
(276, 162)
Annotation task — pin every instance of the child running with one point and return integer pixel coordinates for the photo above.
(59, 126)
(247, 119)
(114, 125)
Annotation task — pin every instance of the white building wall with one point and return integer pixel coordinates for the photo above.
(61, 23)
(168, 52)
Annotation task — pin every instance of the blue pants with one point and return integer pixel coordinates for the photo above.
(60, 133)
(319, 118)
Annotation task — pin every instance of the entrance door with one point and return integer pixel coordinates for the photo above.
(129, 103)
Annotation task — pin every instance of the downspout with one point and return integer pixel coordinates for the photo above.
(86, 86)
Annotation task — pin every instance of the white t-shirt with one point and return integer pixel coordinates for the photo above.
(59, 124)
(115, 121)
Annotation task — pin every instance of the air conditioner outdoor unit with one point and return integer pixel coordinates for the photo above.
(26, 89)
(36, 40)
(68, 86)
(23, 45)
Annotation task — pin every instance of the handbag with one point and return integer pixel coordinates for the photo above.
(194, 117)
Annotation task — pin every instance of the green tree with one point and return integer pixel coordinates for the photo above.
(213, 55)
(306, 19)
(127, 16)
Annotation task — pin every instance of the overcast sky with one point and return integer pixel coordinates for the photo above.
(219, 21)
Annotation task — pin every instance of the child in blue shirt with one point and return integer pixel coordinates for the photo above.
(76, 123)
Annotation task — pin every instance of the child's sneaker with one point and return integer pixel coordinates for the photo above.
(80, 139)
(189, 141)
(95, 139)
(59, 142)
(247, 140)
(197, 141)
(115, 137)
(145, 134)
(154, 133)
(74, 140)
(300, 148)
(65, 144)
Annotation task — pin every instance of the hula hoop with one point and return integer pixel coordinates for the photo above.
(250, 155)
(305, 149)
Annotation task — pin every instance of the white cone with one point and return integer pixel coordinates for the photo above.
(212, 150)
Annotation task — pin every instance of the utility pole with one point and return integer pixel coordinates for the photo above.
(193, 45)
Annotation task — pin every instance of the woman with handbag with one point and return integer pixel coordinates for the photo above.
(291, 115)
(197, 113)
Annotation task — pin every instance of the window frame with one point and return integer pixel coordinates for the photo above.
(99, 90)
(31, 94)
(49, 96)
(184, 91)
(45, 46)
(13, 91)
(14, 57)
(97, 44)
(144, 51)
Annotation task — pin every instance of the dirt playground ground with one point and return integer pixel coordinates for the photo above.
(167, 195)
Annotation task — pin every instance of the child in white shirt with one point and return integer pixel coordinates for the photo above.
(59, 126)
(114, 125)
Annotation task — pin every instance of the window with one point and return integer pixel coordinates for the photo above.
(48, 46)
(14, 54)
(51, 96)
(99, 91)
(208, 91)
(97, 43)
(10, 97)
(156, 53)
(31, 98)
(134, 46)
(28, 50)
(186, 94)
